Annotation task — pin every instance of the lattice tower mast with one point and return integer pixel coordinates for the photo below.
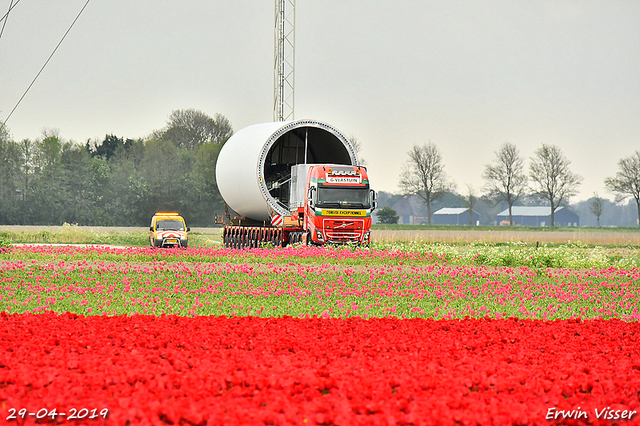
(284, 60)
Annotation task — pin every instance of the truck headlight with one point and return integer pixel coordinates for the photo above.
(365, 237)
(319, 235)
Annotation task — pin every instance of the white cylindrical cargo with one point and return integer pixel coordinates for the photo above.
(253, 170)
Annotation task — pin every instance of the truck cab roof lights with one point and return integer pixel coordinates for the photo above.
(343, 173)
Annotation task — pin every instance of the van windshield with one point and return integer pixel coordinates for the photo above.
(169, 225)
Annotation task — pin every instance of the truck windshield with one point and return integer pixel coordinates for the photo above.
(343, 196)
(169, 225)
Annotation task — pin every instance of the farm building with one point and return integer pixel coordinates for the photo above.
(455, 216)
(539, 216)
(409, 210)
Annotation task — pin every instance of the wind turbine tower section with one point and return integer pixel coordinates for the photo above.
(284, 60)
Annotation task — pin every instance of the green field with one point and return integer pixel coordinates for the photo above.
(405, 280)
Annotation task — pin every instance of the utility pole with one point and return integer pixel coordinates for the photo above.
(284, 60)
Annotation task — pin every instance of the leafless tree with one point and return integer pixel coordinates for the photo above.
(627, 181)
(470, 200)
(357, 146)
(423, 175)
(506, 179)
(552, 178)
(595, 206)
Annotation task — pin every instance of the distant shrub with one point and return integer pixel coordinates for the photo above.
(5, 243)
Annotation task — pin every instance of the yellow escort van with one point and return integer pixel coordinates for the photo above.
(168, 229)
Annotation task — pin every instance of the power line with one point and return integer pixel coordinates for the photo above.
(45, 64)
(6, 19)
(10, 8)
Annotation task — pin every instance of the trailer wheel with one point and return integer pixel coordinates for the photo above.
(243, 238)
(254, 238)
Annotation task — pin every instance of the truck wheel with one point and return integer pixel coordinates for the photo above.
(184, 244)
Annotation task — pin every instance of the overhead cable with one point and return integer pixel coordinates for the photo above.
(4, 17)
(45, 64)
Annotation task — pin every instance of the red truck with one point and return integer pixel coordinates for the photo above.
(290, 196)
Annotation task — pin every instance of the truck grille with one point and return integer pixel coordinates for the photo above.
(343, 230)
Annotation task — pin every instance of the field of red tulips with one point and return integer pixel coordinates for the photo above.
(218, 370)
(332, 337)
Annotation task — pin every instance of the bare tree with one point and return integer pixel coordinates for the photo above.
(470, 200)
(595, 206)
(423, 175)
(506, 179)
(357, 146)
(627, 181)
(552, 178)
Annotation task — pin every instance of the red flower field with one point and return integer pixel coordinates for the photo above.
(147, 370)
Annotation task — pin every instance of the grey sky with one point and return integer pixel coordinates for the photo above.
(467, 75)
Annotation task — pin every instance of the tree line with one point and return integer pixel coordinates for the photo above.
(121, 182)
(507, 180)
(115, 181)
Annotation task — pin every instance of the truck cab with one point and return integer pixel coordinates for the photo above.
(168, 229)
(335, 203)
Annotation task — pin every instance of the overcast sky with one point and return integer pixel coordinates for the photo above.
(465, 75)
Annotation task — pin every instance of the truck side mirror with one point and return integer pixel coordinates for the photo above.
(374, 200)
(311, 197)
(151, 228)
(188, 229)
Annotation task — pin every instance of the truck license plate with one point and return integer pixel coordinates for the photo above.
(172, 241)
